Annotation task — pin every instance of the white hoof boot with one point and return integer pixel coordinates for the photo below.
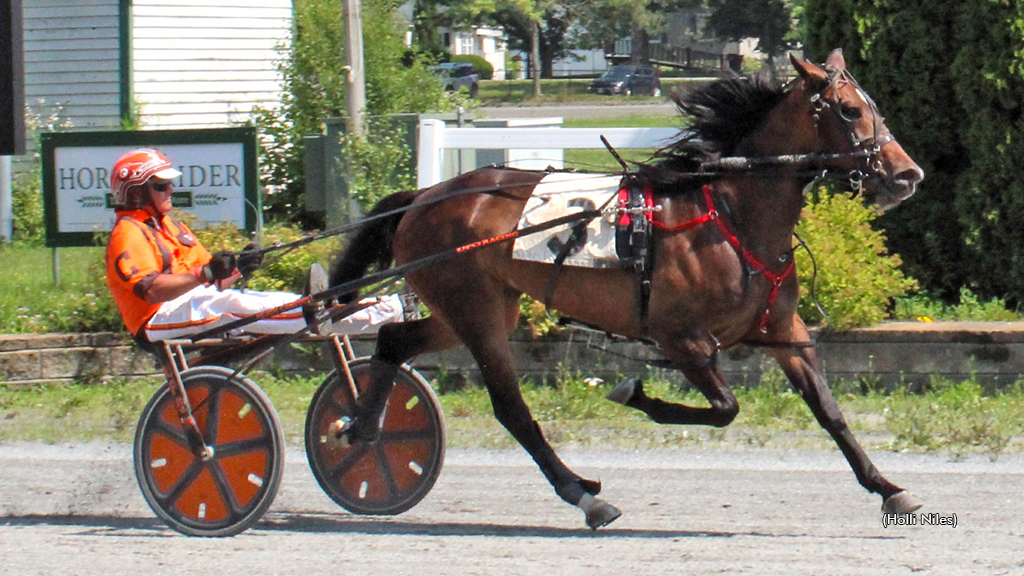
(901, 503)
(599, 513)
(623, 391)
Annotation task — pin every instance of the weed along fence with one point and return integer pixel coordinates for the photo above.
(891, 354)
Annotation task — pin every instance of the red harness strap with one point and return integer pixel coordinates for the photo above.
(776, 278)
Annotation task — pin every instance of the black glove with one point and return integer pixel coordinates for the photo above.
(222, 265)
(250, 259)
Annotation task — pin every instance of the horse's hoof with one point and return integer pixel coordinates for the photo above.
(902, 502)
(623, 391)
(602, 514)
(599, 513)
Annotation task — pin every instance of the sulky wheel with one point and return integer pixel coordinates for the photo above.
(391, 474)
(229, 492)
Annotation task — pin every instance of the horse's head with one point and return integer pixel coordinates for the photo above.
(847, 120)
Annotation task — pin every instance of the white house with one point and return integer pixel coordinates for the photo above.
(488, 43)
(168, 63)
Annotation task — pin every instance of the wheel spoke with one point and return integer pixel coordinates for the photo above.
(242, 446)
(385, 469)
(182, 483)
(335, 471)
(407, 435)
(175, 434)
(227, 494)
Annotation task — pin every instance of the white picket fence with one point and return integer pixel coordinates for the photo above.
(435, 137)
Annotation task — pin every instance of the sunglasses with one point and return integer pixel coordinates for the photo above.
(162, 187)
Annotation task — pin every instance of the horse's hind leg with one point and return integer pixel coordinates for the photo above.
(803, 368)
(396, 343)
(483, 319)
(493, 355)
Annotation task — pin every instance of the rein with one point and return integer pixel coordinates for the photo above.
(758, 267)
(345, 229)
(370, 279)
(708, 171)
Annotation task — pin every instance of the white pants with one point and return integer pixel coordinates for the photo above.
(205, 307)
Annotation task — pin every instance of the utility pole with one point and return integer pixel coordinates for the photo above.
(535, 57)
(6, 199)
(356, 84)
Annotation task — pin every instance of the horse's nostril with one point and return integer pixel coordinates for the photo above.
(911, 175)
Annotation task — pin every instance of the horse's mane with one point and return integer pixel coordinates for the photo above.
(720, 115)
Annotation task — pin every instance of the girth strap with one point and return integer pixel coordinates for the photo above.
(572, 244)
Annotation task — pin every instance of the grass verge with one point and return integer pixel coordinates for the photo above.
(954, 418)
(568, 90)
(601, 160)
(31, 302)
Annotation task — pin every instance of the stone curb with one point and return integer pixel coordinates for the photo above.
(891, 354)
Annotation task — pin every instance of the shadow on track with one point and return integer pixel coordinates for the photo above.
(98, 525)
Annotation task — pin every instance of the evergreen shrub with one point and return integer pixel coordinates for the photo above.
(856, 276)
(480, 65)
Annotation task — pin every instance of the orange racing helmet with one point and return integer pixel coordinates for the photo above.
(135, 168)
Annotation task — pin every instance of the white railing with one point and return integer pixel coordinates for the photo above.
(435, 137)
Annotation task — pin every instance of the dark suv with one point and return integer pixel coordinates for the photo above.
(455, 75)
(627, 80)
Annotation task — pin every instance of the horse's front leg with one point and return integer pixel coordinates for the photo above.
(699, 363)
(803, 368)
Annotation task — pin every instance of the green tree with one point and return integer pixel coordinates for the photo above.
(989, 68)
(314, 89)
(948, 76)
(554, 22)
(609, 20)
(770, 21)
(429, 16)
(526, 17)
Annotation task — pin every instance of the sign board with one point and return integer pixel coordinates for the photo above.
(218, 182)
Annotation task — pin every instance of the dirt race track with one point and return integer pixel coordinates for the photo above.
(76, 510)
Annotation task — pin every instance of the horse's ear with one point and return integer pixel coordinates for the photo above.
(836, 60)
(809, 72)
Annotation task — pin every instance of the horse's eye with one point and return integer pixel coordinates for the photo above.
(849, 112)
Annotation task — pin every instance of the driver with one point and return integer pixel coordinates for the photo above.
(167, 285)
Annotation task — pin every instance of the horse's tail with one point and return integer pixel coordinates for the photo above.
(372, 243)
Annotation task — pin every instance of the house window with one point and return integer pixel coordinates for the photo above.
(447, 39)
(466, 45)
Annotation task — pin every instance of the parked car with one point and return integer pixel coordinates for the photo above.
(627, 80)
(456, 75)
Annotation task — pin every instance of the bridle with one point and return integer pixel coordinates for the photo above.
(866, 146)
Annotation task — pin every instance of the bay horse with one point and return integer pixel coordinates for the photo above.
(710, 286)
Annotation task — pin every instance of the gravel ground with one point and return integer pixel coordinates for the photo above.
(76, 510)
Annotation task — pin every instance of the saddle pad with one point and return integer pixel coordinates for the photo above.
(561, 194)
